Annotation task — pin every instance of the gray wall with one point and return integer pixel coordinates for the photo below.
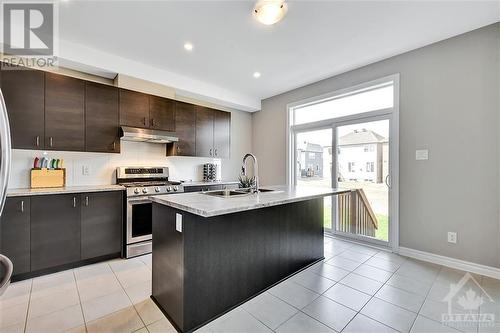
(449, 104)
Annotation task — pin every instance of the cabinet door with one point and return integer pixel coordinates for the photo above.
(101, 118)
(55, 230)
(222, 133)
(185, 122)
(162, 113)
(64, 113)
(134, 109)
(23, 91)
(15, 233)
(204, 131)
(101, 224)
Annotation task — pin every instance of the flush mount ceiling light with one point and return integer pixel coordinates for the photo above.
(256, 75)
(188, 46)
(269, 12)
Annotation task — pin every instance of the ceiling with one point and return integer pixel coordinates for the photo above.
(314, 41)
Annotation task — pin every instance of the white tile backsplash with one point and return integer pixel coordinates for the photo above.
(102, 166)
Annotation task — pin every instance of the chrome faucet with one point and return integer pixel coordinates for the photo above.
(255, 169)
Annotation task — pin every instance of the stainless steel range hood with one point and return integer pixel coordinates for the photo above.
(147, 135)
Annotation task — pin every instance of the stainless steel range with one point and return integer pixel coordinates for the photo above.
(141, 184)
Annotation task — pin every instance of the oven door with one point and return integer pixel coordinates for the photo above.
(139, 220)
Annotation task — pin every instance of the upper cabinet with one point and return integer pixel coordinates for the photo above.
(162, 113)
(134, 109)
(185, 122)
(101, 118)
(222, 134)
(64, 113)
(24, 93)
(212, 132)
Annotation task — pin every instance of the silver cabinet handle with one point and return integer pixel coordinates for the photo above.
(215, 152)
(22, 206)
(210, 153)
(144, 121)
(37, 141)
(5, 161)
(74, 202)
(50, 141)
(86, 201)
(114, 145)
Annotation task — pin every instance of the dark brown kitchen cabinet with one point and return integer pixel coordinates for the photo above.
(222, 134)
(185, 122)
(23, 91)
(15, 233)
(55, 230)
(101, 224)
(212, 132)
(162, 113)
(64, 113)
(134, 109)
(204, 131)
(101, 118)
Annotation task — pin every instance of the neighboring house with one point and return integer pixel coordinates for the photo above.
(310, 161)
(363, 156)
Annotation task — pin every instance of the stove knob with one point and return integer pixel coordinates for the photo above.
(136, 191)
(144, 190)
(176, 188)
(169, 188)
(157, 189)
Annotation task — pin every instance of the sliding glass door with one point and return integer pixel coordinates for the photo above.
(314, 164)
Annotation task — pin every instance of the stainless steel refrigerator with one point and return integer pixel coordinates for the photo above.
(5, 161)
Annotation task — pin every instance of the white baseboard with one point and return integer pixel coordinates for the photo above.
(451, 262)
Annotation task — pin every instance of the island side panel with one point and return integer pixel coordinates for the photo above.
(168, 263)
(231, 258)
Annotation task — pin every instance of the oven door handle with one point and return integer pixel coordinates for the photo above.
(138, 201)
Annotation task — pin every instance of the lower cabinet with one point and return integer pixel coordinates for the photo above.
(55, 230)
(101, 224)
(48, 231)
(15, 233)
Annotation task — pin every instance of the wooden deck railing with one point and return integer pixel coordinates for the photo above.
(355, 215)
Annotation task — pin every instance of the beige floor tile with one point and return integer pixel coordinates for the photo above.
(139, 292)
(134, 276)
(17, 328)
(18, 293)
(161, 326)
(93, 271)
(124, 321)
(54, 302)
(148, 311)
(97, 286)
(105, 305)
(59, 321)
(13, 315)
(79, 329)
(50, 284)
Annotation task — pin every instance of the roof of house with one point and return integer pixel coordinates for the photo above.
(310, 147)
(359, 137)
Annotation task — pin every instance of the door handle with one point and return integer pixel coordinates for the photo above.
(50, 141)
(86, 201)
(210, 152)
(144, 121)
(74, 202)
(37, 141)
(22, 206)
(215, 152)
(114, 145)
(152, 122)
(387, 181)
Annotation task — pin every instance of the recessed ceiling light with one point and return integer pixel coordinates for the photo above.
(256, 75)
(188, 46)
(269, 12)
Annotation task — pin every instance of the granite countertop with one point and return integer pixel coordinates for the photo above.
(207, 205)
(202, 183)
(18, 192)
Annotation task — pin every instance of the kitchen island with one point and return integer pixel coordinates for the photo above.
(212, 253)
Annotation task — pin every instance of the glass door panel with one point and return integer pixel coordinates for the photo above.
(362, 165)
(313, 164)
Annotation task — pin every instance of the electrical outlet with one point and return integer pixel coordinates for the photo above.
(85, 170)
(452, 237)
(422, 154)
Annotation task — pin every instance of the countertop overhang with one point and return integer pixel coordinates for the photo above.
(208, 206)
(21, 192)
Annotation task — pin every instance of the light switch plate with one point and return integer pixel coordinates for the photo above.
(85, 170)
(452, 237)
(178, 222)
(422, 154)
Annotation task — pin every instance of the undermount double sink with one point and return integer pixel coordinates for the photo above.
(235, 193)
